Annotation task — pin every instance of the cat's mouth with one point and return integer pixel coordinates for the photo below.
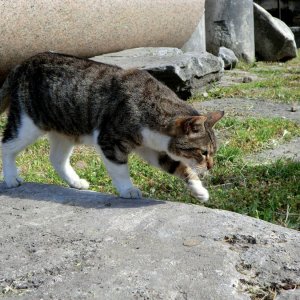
(200, 168)
(203, 167)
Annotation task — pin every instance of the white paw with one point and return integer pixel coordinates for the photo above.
(80, 184)
(133, 193)
(13, 181)
(198, 191)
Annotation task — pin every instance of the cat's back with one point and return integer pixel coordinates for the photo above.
(55, 67)
(62, 92)
(65, 93)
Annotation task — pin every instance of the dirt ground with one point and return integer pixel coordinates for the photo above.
(259, 108)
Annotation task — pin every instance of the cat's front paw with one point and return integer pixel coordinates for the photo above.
(80, 184)
(198, 191)
(13, 181)
(131, 193)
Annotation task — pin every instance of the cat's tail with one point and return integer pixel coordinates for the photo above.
(6, 88)
(4, 96)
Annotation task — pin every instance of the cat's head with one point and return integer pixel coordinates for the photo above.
(193, 140)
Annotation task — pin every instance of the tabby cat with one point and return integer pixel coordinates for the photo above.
(118, 111)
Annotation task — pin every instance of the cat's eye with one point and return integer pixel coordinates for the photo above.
(204, 153)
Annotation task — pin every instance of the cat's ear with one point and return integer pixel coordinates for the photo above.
(188, 125)
(214, 117)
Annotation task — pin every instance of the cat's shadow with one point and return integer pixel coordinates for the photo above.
(72, 197)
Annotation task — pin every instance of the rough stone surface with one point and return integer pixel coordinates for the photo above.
(184, 73)
(229, 58)
(274, 40)
(59, 243)
(296, 32)
(197, 42)
(289, 295)
(229, 23)
(87, 28)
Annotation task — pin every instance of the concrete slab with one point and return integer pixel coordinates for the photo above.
(60, 243)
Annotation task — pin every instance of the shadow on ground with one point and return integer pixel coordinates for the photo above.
(72, 197)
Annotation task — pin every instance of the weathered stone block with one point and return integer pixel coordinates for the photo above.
(59, 243)
(184, 73)
(229, 23)
(274, 40)
(229, 58)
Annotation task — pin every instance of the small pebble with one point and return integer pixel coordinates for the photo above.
(294, 107)
(247, 79)
(191, 242)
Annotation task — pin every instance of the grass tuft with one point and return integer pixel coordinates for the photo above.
(276, 81)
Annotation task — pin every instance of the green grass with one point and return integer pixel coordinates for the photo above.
(269, 192)
(2, 123)
(276, 81)
(245, 136)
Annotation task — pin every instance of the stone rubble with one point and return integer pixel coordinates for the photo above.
(185, 73)
(229, 58)
(274, 40)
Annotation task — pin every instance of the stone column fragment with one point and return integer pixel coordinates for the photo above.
(92, 27)
(230, 23)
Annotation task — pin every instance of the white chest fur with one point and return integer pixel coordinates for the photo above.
(155, 140)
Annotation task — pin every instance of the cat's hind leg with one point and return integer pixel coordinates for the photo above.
(61, 148)
(20, 132)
